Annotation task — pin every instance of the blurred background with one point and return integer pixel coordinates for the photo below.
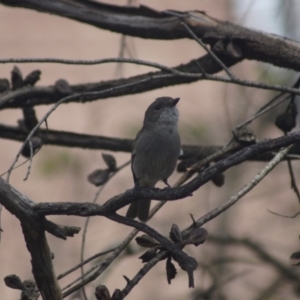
(208, 113)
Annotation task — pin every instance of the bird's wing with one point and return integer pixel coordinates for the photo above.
(135, 179)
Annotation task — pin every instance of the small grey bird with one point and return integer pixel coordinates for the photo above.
(155, 151)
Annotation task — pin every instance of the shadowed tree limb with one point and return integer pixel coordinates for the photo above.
(95, 142)
(35, 237)
(121, 200)
(146, 82)
(147, 23)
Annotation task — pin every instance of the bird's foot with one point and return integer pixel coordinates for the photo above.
(136, 188)
(165, 181)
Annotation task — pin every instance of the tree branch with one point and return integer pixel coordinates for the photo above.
(121, 200)
(35, 237)
(94, 142)
(144, 22)
(26, 211)
(31, 96)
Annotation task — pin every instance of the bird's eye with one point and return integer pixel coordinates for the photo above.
(158, 107)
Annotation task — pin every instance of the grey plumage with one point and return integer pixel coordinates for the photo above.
(155, 150)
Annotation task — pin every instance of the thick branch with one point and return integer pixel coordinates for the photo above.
(26, 211)
(35, 237)
(94, 142)
(119, 201)
(146, 23)
(186, 262)
(86, 141)
(31, 96)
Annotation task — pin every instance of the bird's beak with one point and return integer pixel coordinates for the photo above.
(175, 101)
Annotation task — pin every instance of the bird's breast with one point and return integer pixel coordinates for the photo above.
(156, 154)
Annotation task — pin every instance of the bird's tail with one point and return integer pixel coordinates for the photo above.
(139, 209)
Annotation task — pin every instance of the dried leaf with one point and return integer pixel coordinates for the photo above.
(98, 177)
(14, 282)
(188, 264)
(287, 120)
(32, 78)
(16, 78)
(146, 241)
(102, 293)
(110, 161)
(4, 85)
(171, 270)
(197, 236)
(218, 179)
(117, 295)
(175, 234)
(147, 256)
(63, 87)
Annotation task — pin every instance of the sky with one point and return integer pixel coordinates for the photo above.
(274, 16)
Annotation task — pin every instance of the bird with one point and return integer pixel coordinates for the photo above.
(155, 151)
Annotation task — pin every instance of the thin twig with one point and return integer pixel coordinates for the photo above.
(254, 84)
(293, 180)
(118, 201)
(280, 215)
(30, 160)
(121, 55)
(87, 220)
(86, 224)
(197, 166)
(62, 275)
(10, 96)
(81, 278)
(248, 187)
(269, 105)
(214, 56)
(19, 165)
(186, 262)
(142, 272)
(92, 62)
(104, 265)
(265, 110)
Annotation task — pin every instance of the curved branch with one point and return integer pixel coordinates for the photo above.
(94, 142)
(86, 141)
(35, 237)
(30, 96)
(28, 212)
(119, 201)
(143, 22)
